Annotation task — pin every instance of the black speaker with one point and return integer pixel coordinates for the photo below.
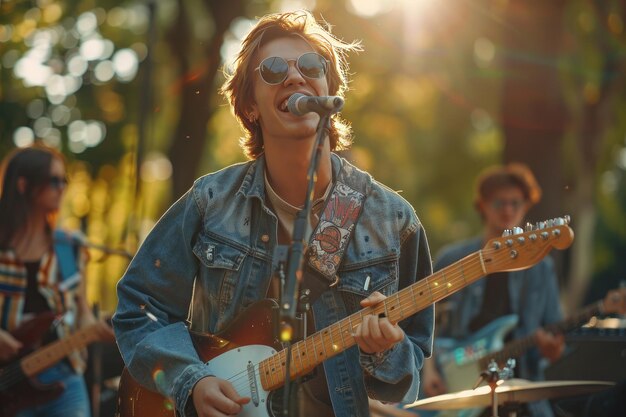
(592, 354)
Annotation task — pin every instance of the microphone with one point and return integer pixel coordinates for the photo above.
(301, 104)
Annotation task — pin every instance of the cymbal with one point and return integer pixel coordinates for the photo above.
(513, 390)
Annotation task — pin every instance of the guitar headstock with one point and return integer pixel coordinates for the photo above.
(518, 249)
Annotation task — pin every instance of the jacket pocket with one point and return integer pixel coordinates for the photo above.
(358, 281)
(223, 261)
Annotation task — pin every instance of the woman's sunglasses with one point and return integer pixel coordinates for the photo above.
(274, 69)
(57, 182)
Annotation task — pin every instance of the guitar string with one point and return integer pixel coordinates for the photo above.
(452, 276)
(455, 275)
(449, 278)
(16, 374)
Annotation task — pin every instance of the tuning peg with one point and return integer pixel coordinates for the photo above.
(529, 227)
(507, 232)
(517, 230)
(562, 221)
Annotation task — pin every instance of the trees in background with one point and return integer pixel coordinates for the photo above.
(129, 91)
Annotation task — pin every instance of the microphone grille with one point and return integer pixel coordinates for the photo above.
(292, 103)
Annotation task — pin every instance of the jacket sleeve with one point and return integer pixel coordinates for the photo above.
(153, 299)
(394, 375)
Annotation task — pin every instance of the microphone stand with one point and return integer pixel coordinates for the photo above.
(293, 274)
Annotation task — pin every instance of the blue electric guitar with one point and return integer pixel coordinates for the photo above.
(461, 362)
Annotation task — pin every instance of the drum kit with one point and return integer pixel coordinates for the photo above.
(508, 393)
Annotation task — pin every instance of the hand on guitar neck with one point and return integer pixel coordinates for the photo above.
(376, 334)
(552, 345)
(9, 346)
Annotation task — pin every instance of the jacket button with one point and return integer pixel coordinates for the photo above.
(265, 238)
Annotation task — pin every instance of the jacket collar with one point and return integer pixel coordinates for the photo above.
(253, 184)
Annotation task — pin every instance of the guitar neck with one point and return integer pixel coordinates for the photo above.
(312, 351)
(52, 353)
(517, 347)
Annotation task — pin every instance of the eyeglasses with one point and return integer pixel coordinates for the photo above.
(499, 204)
(274, 69)
(57, 182)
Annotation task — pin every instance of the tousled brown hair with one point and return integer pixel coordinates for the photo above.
(238, 87)
(511, 175)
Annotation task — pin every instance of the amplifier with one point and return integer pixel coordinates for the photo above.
(592, 354)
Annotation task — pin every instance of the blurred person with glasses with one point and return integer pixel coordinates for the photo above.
(210, 256)
(41, 279)
(504, 194)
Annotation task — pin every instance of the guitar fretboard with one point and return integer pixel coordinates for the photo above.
(517, 347)
(49, 355)
(509, 253)
(312, 351)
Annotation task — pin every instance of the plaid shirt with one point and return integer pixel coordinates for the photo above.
(60, 294)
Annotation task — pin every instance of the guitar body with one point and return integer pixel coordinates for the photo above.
(248, 339)
(246, 348)
(459, 361)
(17, 391)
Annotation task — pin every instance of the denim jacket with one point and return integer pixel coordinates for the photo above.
(534, 298)
(213, 249)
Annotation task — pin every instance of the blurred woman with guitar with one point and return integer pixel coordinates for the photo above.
(42, 293)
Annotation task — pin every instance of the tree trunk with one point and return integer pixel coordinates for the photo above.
(197, 88)
(597, 113)
(534, 113)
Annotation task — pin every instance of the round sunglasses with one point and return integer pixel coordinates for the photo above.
(57, 182)
(274, 69)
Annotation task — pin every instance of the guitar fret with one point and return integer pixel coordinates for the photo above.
(324, 345)
(343, 343)
(314, 349)
(400, 306)
(297, 346)
(333, 346)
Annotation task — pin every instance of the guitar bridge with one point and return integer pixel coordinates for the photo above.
(254, 389)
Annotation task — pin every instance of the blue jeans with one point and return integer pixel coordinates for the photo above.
(73, 402)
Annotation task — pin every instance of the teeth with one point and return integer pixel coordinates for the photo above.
(283, 106)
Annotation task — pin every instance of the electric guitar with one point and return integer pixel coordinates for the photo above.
(247, 355)
(18, 389)
(461, 362)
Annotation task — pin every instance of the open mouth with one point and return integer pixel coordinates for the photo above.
(283, 106)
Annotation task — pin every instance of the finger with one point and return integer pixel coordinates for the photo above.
(231, 393)
(376, 339)
(374, 329)
(226, 405)
(227, 401)
(361, 336)
(372, 299)
(391, 332)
